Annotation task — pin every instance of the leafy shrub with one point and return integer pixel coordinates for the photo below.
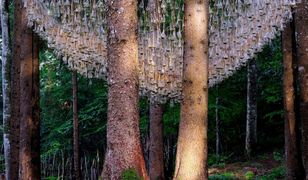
(130, 174)
(249, 175)
(218, 161)
(277, 156)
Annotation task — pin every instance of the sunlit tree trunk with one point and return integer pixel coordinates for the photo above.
(301, 24)
(29, 154)
(6, 88)
(292, 147)
(123, 135)
(77, 172)
(15, 90)
(251, 119)
(191, 157)
(156, 158)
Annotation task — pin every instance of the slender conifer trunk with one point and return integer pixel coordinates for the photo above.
(218, 143)
(77, 172)
(251, 119)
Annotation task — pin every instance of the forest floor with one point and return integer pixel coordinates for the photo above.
(263, 167)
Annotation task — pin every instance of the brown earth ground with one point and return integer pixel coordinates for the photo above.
(260, 166)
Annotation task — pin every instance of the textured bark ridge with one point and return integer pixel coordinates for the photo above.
(292, 147)
(191, 155)
(301, 24)
(123, 136)
(6, 88)
(156, 164)
(251, 119)
(77, 172)
(29, 154)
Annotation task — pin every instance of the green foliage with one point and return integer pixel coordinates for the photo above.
(2, 165)
(232, 107)
(223, 176)
(51, 178)
(130, 174)
(277, 156)
(56, 105)
(218, 161)
(249, 175)
(171, 119)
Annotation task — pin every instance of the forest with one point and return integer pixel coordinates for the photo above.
(154, 89)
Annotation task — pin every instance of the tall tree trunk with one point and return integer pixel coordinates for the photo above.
(301, 24)
(77, 172)
(292, 147)
(156, 150)
(15, 90)
(218, 143)
(123, 135)
(156, 168)
(251, 121)
(6, 88)
(29, 153)
(191, 158)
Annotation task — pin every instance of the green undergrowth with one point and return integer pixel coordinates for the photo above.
(130, 174)
(276, 173)
(223, 176)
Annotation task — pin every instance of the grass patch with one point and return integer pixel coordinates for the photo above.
(223, 176)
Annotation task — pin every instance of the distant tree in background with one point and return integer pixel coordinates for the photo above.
(251, 119)
(77, 172)
(217, 122)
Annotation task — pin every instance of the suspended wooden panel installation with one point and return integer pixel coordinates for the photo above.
(161, 50)
(76, 30)
(239, 29)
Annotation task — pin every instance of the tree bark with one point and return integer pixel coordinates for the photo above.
(77, 172)
(191, 158)
(251, 121)
(29, 154)
(292, 147)
(156, 168)
(6, 86)
(301, 24)
(123, 135)
(15, 90)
